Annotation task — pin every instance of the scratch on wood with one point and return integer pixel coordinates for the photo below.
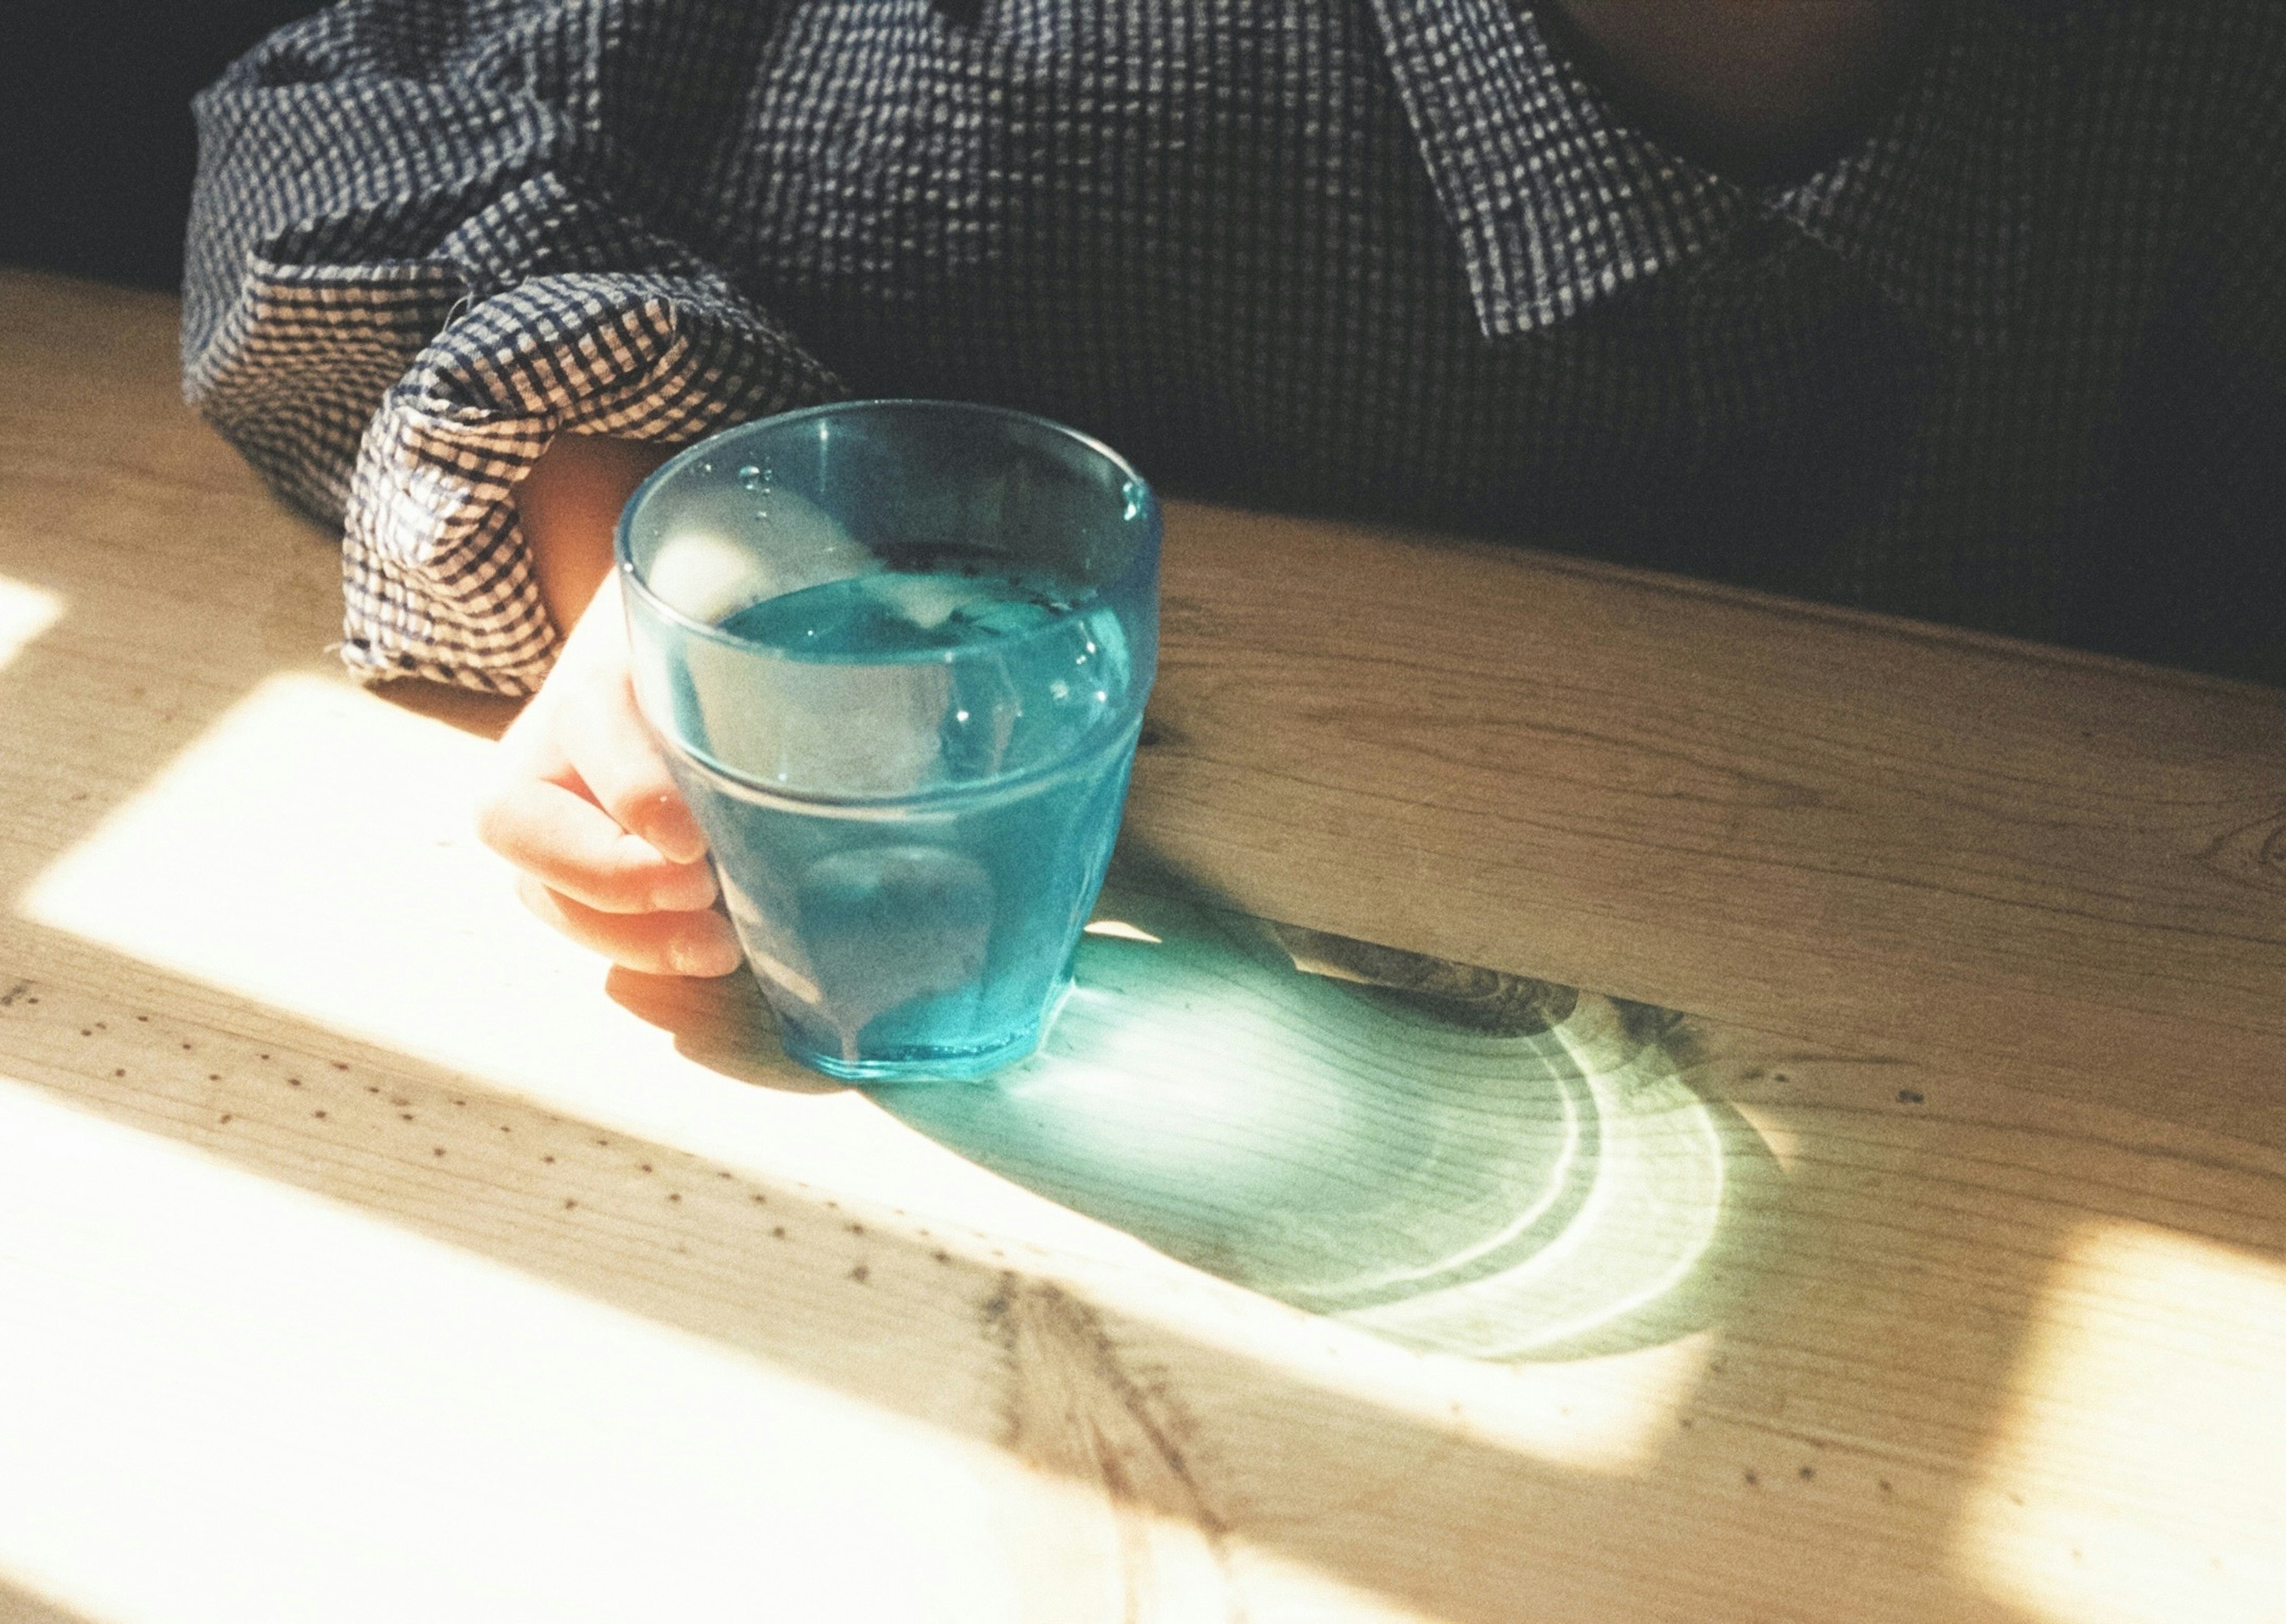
(1073, 1404)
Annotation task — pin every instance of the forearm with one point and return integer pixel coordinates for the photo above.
(569, 506)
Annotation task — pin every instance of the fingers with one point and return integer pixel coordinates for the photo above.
(585, 807)
(678, 943)
(611, 748)
(572, 847)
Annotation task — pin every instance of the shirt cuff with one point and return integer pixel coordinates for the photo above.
(438, 581)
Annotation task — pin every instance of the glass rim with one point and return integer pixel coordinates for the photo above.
(623, 564)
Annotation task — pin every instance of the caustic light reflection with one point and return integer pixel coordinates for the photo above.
(1497, 1187)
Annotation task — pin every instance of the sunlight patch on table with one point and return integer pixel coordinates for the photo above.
(25, 611)
(1612, 1415)
(2141, 1475)
(1777, 1129)
(315, 850)
(288, 1411)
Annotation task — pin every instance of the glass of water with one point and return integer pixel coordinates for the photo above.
(897, 651)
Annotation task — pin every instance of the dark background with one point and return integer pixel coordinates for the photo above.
(96, 146)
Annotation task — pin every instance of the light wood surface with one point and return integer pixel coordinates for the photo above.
(366, 1254)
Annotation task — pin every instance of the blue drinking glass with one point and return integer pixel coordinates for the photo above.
(898, 652)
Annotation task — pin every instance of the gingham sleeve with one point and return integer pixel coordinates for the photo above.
(413, 262)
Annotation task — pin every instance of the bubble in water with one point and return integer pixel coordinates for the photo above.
(751, 476)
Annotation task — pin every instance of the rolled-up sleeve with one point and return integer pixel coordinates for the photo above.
(426, 239)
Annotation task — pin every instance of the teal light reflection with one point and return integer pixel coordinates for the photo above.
(1486, 1179)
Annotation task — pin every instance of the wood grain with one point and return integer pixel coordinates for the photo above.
(1925, 844)
(360, 1241)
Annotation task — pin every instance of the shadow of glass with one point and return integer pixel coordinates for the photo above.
(1452, 1158)
(723, 1024)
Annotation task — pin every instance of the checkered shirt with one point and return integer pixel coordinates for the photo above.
(2014, 359)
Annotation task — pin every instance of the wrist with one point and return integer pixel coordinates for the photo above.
(569, 506)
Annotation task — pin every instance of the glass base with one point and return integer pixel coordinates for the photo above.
(919, 1065)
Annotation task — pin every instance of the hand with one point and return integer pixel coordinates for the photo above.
(610, 854)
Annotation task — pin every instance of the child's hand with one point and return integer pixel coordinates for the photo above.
(610, 854)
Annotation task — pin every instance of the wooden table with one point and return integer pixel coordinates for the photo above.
(365, 1253)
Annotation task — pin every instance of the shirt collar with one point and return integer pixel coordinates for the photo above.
(1558, 203)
